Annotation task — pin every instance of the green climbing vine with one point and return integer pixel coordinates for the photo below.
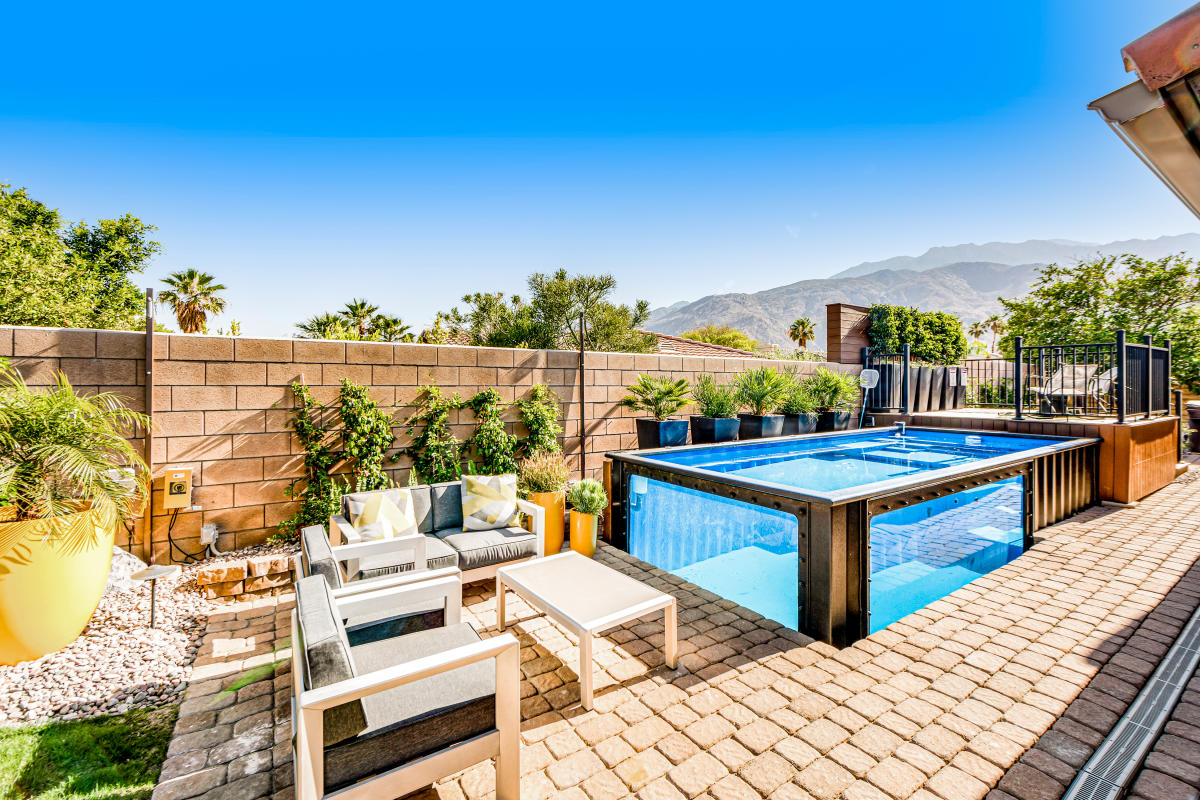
(366, 436)
(539, 412)
(494, 445)
(435, 450)
(319, 492)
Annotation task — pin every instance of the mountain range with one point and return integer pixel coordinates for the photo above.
(965, 280)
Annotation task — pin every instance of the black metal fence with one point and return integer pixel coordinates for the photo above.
(1104, 379)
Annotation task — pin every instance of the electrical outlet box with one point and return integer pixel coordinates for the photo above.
(177, 488)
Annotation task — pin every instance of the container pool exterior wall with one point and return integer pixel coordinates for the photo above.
(833, 533)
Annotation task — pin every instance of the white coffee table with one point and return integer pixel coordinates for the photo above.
(585, 598)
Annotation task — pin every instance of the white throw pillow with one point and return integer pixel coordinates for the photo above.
(489, 501)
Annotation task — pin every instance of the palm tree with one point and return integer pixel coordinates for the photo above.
(976, 330)
(324, 326)
(390, 329)
(801, 331)
(996, 326)
(358, 314)
(192, 295)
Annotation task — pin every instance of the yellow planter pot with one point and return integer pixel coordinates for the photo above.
(583, 533)
(49, 586)
(555, 506)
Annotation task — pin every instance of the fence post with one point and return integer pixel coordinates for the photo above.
(1018, 388)
(904, 381)
(1179, 413)
(1120, 376)
(1148, 382)
(1166, 376)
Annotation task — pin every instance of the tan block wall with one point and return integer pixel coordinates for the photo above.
(222, 404)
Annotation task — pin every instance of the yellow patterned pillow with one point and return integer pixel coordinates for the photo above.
(489, 501)
(386, 514)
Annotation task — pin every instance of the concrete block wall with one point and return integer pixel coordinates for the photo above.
(222, 404)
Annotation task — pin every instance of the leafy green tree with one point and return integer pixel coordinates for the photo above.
(390, 329)
(75, 275)
(549, 320)
(1092, 300)
(933, 336)
(722, 335)
(192, 295)
(802, 331)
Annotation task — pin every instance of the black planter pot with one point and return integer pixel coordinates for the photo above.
(924, 378)
(755, 426)
(794, 424)
(653, 433)
(833, 421)
(712, 430)
(937, 379)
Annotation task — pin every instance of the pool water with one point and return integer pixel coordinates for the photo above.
(829, 463)
(750, 554)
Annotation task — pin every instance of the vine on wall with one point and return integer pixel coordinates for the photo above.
(494, 445)
(366, 436)
(539, 412)
(320, 493)
(435, 450)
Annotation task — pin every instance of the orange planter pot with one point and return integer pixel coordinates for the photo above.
(49, 588)
(583, 533)
(555, 506)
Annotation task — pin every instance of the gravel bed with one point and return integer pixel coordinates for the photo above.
(119, 663)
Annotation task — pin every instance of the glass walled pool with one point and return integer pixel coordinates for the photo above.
(840, 535)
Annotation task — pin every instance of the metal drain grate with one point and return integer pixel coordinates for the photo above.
(1107, 773)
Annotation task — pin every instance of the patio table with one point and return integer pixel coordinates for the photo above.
(586, 598)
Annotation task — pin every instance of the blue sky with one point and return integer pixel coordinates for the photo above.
(307, 154)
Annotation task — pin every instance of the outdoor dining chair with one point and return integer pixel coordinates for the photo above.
(1067, 382)
(383, 718)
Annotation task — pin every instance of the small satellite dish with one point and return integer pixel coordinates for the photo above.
(868, 378)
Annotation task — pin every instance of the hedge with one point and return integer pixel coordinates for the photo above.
(933, 336)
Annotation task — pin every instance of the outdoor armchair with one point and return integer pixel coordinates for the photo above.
(438, 510)
(387, 717)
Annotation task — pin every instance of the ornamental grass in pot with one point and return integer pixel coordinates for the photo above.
(588, 501)
(718, 405)
(660, 397)
(798, 408)
(68, 477)
(759, 391)
(542, 479)
(834, 395)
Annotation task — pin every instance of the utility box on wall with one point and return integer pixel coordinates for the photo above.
(177, 488)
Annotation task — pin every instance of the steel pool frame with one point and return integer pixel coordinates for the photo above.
(834, 527)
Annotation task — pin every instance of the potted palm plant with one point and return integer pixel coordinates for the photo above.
(661, 397)
(588, 501)
(543, 480)
(834, 395)
(68, 477)
(798, 408)
(718, 405)
(759, 391)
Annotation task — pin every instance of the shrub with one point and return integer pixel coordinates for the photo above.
(933, 336)
(539, 412)
(660, 396)
(588, 497)
(543, 472)
(831, 391)
(798, 399)
(714, 399)
(760, 390)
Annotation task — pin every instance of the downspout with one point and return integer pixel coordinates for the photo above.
(148, 516)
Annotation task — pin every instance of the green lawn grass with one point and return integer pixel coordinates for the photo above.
(104, 758)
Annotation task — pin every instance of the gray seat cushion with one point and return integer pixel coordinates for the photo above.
(318, 555)
(412, 721)
(382, 625)
(327, 655)
(485, 548)
(438, 554)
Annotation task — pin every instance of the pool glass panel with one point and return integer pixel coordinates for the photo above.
(740, 551)
(925, 551)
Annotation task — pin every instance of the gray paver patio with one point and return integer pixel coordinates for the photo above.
(946, 703)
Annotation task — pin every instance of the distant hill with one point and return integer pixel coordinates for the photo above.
(1035, 251)
(958, 279)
